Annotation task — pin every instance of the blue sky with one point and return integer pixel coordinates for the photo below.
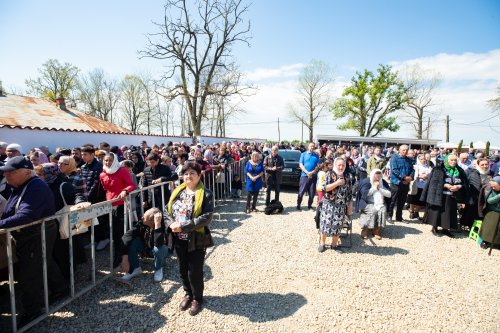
(458, 39)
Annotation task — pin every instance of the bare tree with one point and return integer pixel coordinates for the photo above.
(98, 94)
(151, 106)
(196, 45)
(420, 90)
(133, 101)
(494, 103)
(314, 94)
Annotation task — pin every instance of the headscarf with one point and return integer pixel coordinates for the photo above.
(114, 167)
(335, 166)
(421, 163)
(372, 174)
(42, 158)
(453, 171)
(209, 156)
(51, 171)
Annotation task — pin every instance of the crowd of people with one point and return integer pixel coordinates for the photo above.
(448, 188)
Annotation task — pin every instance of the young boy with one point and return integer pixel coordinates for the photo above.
(236, 187)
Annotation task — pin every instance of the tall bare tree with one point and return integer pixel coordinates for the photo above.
(151, 106)
(98, 94)
(196, 40)
(420, 96)
(133, 101)
(314, 94)
(55, 80)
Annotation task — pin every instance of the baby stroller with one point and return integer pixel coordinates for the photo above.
(346, 232)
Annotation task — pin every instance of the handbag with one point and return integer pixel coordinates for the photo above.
(413, 189)
(220, 177)
(77, 228)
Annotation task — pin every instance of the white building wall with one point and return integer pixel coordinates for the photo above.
(29, 138)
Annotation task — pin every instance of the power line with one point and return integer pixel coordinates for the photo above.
(481, 121)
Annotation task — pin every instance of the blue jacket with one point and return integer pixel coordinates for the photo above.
(400, 167)
(257, 185)
(36, 203)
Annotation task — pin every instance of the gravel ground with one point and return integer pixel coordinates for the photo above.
(266, 275)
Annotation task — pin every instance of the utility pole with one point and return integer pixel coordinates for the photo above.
(428, 127)
(279, 134)
(447, 128)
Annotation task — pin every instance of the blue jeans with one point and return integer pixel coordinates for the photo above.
(137, 247)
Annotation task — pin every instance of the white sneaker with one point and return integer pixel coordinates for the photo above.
(158, 277)
(102, 244)
(135, 272)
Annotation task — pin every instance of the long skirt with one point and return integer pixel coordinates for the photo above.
(372, 217)
(444, 216)
(332, 216)
(415, 199)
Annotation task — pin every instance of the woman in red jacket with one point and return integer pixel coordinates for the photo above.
(117, 183)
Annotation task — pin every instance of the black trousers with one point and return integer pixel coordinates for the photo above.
(270, 186)
(254, 196)
(399, 193)
(118, 231)
(191, 269)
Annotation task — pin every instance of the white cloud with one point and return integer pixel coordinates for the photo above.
(466, 66)
(469, 80)
(286, 71)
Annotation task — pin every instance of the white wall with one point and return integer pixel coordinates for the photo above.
(29, 138)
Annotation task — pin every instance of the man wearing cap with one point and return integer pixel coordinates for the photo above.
(13, 150)
(30, 200)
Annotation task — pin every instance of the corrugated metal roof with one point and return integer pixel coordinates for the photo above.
(36, 113)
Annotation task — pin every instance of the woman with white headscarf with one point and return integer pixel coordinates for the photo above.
(336, 204)
(117, 183)
(370, 201)
(422, 172)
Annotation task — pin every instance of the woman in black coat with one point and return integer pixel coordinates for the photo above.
(447, 186)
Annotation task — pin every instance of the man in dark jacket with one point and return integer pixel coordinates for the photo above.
(273, 164)
(30, 200)
(146, 235)
(90, 171)
(156, 173)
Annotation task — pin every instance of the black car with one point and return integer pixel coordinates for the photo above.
(291, 171)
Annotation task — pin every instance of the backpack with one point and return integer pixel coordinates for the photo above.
(274, 207)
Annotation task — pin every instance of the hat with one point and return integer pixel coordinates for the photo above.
(3, 144)
(15, 163)
(15, 146)
(496, 179)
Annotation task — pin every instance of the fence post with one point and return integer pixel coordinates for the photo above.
(11, 282)
(162, 198)
(44, 261)
(92, 249)
(70, 249)
(125, 214)
(111, 242)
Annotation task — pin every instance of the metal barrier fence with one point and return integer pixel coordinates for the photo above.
(213, 180)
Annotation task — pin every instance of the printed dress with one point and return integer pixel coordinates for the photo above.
(333, 211)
